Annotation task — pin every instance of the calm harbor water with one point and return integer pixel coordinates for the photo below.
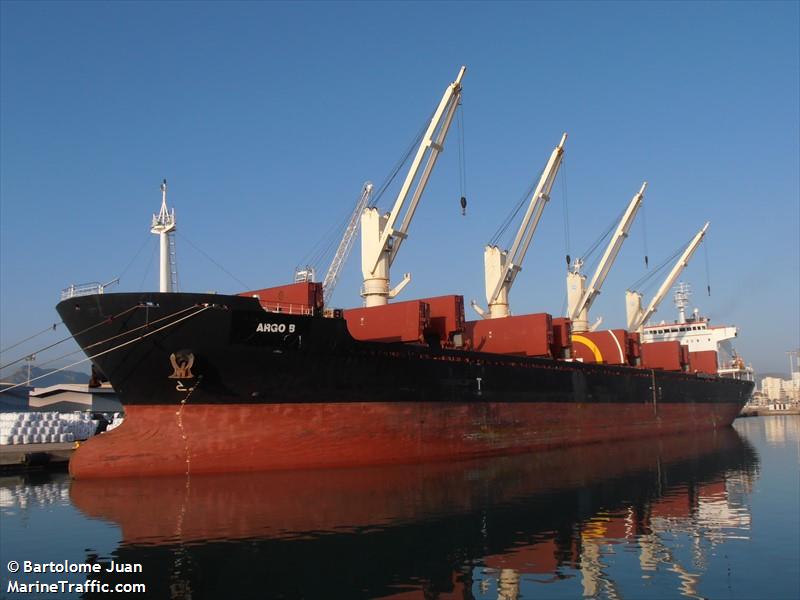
(711, 516)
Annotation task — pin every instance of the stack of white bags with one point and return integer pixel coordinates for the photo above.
(49, 427)
(22, 495)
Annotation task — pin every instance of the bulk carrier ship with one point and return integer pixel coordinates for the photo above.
(273, 379)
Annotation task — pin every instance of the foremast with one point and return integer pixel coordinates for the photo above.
(164, 226)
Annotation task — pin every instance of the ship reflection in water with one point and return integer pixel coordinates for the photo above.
(569, 518)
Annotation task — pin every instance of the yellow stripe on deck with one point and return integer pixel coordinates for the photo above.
(598, 357)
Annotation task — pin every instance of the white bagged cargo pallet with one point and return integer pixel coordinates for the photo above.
(49, 427)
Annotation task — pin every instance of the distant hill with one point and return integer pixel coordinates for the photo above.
(50, 378)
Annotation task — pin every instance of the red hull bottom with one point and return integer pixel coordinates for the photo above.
(174, 440)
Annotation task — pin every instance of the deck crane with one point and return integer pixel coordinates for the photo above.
(580, 298)
(380, 241)
(308, 273)
(501, 266)
(637, 316)
(346, 244)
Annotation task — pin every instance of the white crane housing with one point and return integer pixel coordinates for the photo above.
(380, 241)
(500, 266)
(637, 316)
(580, 298)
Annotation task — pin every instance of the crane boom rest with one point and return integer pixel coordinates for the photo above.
(501, 267)
(637, 316)
(345, 245)
(580, 298)
(380, 241)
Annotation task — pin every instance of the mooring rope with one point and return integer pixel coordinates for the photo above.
(29, 338)
(113, 337)
(105, 321)
(122, 345)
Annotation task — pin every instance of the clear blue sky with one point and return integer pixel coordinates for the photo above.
(266, 119)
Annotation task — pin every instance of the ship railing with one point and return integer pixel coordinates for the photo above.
(86, 289)
(286, 308)
(83, 289)
(736, 370)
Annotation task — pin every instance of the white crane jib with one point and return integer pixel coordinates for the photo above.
(345, 245)
(380, 241)
(637, 316)
(163, 225)
(501, 267)
(580, 298)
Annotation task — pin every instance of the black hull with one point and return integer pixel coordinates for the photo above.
(243, 354)
(215, 383)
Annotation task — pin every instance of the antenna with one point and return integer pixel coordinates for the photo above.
(681, 299)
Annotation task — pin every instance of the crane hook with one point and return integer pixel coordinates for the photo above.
(463, 206)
